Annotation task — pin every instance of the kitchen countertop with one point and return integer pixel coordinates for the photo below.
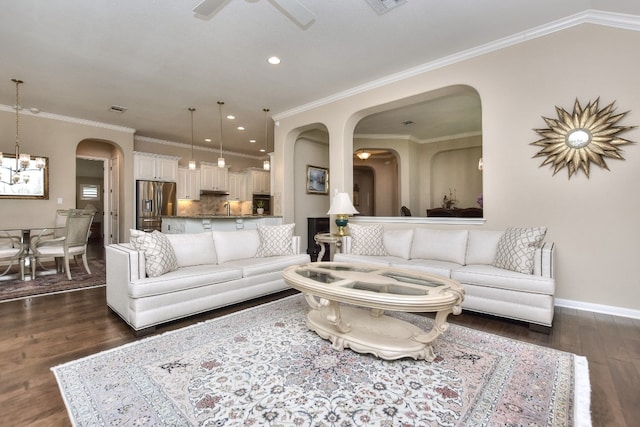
(219, 216)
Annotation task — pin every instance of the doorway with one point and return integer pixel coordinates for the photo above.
(90, 194)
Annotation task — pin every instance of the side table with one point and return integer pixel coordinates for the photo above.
(333, 240)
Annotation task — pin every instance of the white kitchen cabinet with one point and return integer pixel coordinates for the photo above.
(258, 182)
(237, 186)
(213, 178)
(188, 184)
(155, 167)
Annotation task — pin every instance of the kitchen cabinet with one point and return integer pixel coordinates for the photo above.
(258, 182)
(237, 186)
(213, 178)
(155, 167)
(188, 184)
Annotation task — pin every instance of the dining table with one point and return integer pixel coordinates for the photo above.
(25, 233)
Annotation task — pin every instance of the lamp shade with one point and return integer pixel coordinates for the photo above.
(342, 205)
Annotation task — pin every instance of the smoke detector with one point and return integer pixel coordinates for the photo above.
(383, 6)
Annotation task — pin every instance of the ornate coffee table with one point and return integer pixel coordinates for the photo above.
(358, 286)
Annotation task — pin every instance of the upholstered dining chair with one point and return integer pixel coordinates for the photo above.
(11, 251)
(70, 242)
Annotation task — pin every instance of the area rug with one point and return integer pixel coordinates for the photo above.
(262, 366)
(53, 282)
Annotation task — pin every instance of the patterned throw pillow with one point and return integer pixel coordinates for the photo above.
(367, 239)
(517, 247)
(275, 240)
(159, 256)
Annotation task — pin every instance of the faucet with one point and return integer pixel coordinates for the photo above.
(228, 206)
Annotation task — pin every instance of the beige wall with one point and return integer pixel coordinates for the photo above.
(594, 221)
(58, 140)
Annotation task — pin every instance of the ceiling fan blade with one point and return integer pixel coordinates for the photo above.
(295, 11)
(209, 8)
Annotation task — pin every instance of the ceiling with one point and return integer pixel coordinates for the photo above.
(157, 58)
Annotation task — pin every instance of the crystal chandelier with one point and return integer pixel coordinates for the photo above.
(265, 164)
(221, 161)
(23, 162)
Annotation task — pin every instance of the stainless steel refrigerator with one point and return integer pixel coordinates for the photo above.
(154, 199)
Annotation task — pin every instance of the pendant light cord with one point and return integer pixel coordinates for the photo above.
(220, 104)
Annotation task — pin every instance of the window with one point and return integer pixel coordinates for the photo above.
(89, 192)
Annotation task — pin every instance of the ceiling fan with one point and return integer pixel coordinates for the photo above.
(292, 9)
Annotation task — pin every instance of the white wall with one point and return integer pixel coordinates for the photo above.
(308, 152)
(593, 222)
(58, 139)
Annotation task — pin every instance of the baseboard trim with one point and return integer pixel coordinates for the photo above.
(598, 308)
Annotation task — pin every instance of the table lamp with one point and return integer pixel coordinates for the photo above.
(342, 208)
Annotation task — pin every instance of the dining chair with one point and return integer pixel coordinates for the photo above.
(11, 251)
(69, 242)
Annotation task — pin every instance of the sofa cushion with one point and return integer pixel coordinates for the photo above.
(256, 266)
(184, 278)
(517, 247)
(440, 245)
(384, 260)
(494, 277)
(193, 248)
(367, 239)
(275, 240)
(398, 242)
(431, 266)
(482, 246)
(231, 245)
(159, 256)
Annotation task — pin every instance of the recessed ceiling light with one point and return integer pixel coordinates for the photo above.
(274, 60)
(207, 140)
(253, 141)
(240, 128)
(231, 117)
(262, 150)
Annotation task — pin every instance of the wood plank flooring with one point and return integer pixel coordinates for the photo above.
(39, 333)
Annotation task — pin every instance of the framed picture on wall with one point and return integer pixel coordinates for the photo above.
(317, 180)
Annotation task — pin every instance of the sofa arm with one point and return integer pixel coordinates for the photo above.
(295, 245)
(543, 260)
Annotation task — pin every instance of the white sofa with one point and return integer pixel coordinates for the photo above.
(469, 256)
(215, 269)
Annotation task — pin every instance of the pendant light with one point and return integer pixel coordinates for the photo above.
(265, 164)
(221, 161)
(192, 163)
(22, 160)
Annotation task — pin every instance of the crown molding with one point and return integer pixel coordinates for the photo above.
(195, 147)
(67, 119)
(591, 16)
(414, 139)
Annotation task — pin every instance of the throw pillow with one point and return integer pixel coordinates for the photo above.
(234, 245)
(193, 248)
(275, 240)
(517, 247)
(159, 257)
(398, 242)
(367, 239)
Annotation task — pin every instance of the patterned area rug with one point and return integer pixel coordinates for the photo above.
(262, 366)
(52, 282)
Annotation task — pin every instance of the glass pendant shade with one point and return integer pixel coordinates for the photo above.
(192, 165)
(266, 165)
(221, 161)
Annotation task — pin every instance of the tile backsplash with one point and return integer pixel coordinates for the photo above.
(210, 204)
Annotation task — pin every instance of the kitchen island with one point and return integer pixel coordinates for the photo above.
(200, 223)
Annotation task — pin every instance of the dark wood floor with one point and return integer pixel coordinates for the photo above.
(39, 333)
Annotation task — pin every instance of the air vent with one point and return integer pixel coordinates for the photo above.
(384, 6)
(117, 109)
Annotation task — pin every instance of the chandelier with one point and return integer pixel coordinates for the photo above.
(265, 164)
(18, 172)
(363, 155)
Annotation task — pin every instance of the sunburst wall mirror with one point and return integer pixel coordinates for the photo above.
(584, 136)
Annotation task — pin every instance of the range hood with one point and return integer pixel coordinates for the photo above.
(215, 192)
